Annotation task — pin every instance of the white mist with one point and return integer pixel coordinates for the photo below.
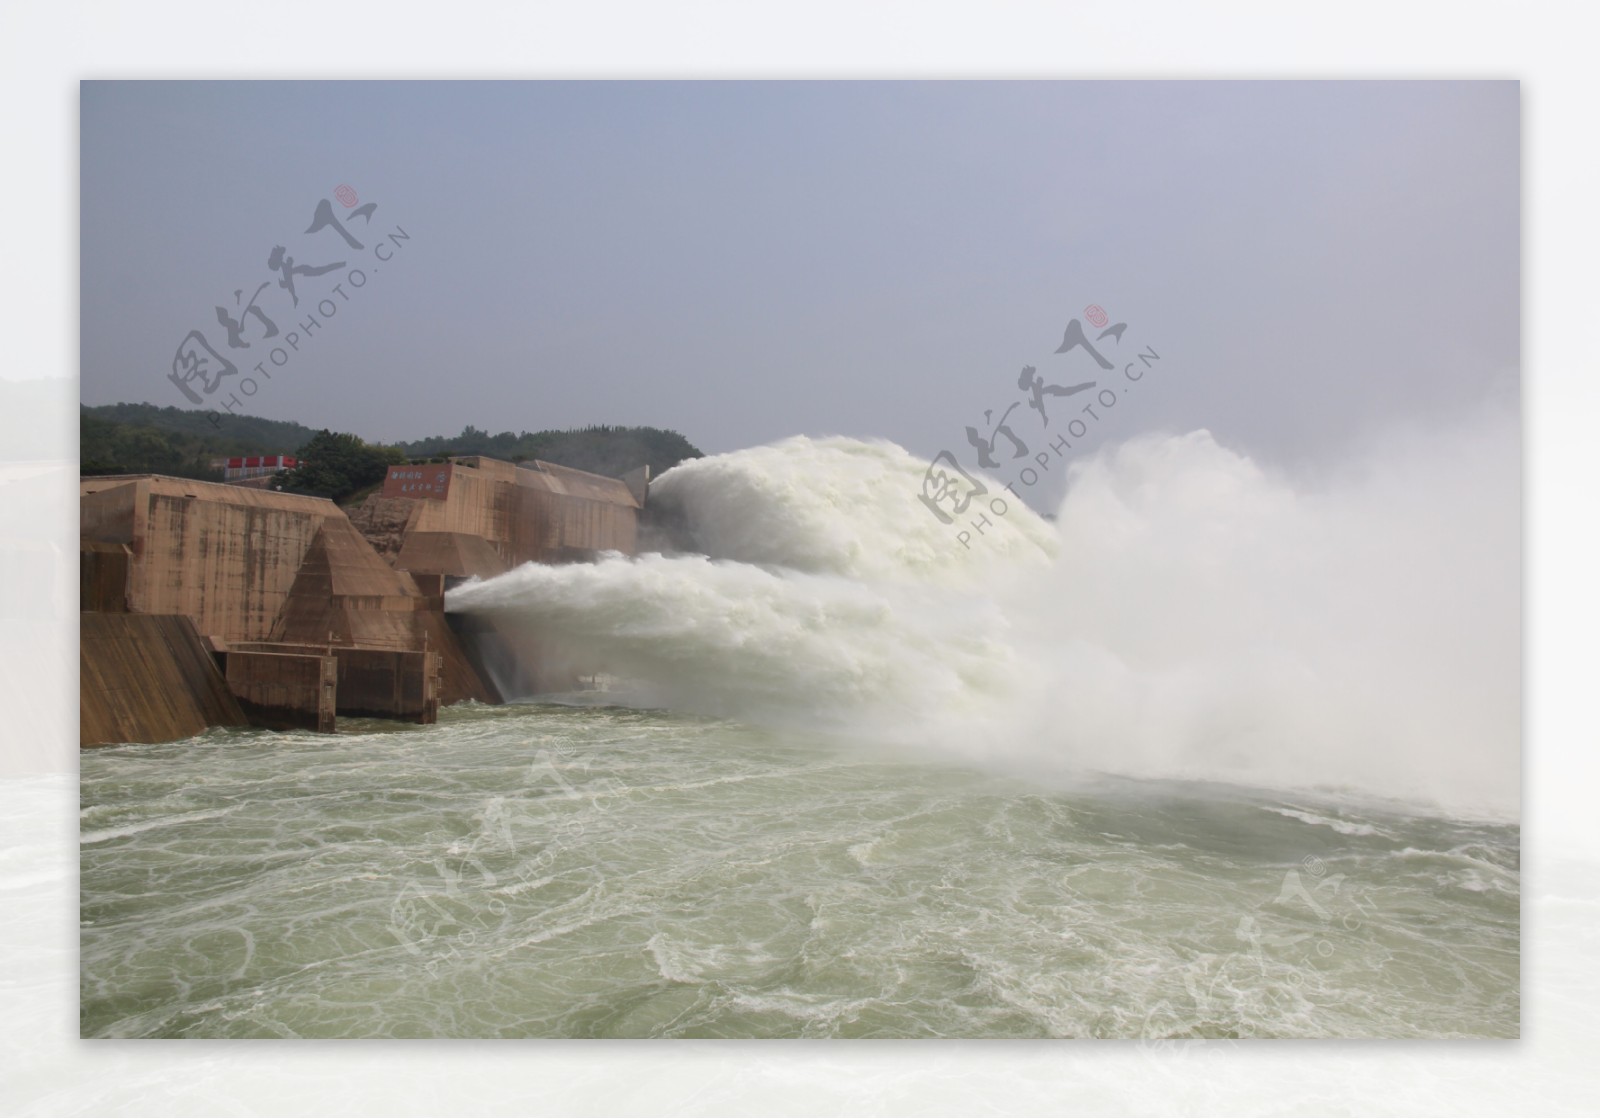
(1189, 615)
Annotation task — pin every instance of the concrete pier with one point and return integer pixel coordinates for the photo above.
(385, 684)
(285, 691)
(396, 684)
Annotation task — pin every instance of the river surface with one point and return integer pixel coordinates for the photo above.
(545, 870)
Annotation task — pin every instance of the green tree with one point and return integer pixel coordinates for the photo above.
(108, 447)
(339, 465)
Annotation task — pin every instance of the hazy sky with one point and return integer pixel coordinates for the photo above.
(743, 261)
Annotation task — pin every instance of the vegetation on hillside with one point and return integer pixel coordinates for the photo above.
(338, 465)
(145, 439)
(107, 447)
(601, 449)
(231, 435)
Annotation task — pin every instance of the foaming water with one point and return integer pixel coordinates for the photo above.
(539, 871)
(1219, 753)
(1189, 614)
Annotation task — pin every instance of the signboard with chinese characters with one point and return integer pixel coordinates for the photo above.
(431, 480)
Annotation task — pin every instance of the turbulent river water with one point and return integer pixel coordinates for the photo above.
(543, 871)
(1216, 754)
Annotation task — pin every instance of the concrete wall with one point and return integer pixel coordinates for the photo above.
(147, 678)
(478, 504)
(103, 577)
(285, 691)
(346, 596)
(512, 662)
(370, 683)
(490, 517)
(251, 566)
(383, 684)
(459, 679)
(111, 510)
(248, 568)
(538, 513)
(223, 555)
(552, 527)
(456, 554)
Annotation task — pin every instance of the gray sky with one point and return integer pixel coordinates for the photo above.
(744, 261)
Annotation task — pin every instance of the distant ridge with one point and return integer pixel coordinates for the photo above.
(144, 438)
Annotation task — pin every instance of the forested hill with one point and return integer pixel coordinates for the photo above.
(142, 438)
(602, 449)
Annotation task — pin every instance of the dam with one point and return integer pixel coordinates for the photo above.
(210, 604)
(880, 785)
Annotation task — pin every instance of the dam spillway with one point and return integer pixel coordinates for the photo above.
(270, 586)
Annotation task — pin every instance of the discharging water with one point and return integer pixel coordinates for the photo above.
(1218, 754)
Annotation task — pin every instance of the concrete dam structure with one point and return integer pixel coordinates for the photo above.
(529, 513)
(209, 604)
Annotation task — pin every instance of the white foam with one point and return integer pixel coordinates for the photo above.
(1192, 614)
(1343, 827)
(104, 834)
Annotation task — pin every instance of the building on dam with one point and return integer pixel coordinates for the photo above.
(213, 604)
